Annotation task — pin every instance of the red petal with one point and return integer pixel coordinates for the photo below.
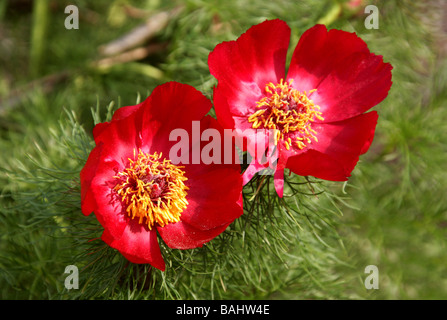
(214, 196)
(358, 84)
(320, 51)
(251, 170)
(212, 204)
(194, 146)
(109, 210)
(98, 130)
(337, 151)
(124, 112)
(181, 235)
(118, 140)
(258, 55)
(348, 78)
(170, 106)
(119, 114)
(86, 175)
(244, 67)
(237, 99)
(263, 153)
(138, 245)
(317, 164)
(121, 138)
(279, 182)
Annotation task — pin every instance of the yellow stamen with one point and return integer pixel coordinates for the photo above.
(153, 190)
(287, 111)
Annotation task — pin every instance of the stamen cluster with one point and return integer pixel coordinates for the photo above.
(153, 189)
(287, 110)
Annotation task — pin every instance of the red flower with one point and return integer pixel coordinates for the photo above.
(317, 110)
(136, 190)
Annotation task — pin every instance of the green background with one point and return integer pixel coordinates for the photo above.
(392, 213)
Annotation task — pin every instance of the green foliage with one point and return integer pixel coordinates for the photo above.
(312, 244)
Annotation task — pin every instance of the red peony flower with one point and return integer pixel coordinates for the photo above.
(316, 111)
(136, 190)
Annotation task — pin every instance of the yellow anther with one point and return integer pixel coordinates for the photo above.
(288, 111)
(152, 189)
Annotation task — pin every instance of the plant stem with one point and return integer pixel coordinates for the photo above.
(38, 35)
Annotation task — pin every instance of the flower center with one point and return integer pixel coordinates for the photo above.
(153, 189)
(288, 111)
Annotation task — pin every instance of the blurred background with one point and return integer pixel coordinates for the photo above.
(395, 211)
